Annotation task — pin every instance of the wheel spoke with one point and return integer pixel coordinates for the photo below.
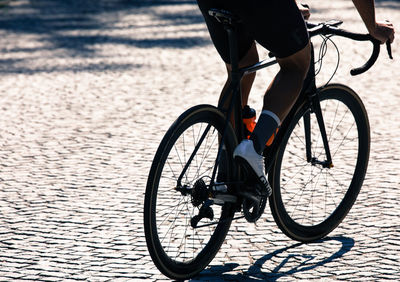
(176, 239)
(311, 192)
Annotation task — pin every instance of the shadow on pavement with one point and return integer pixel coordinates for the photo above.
(391, 4)
(50, 18)
(76, 28)
(255, 272)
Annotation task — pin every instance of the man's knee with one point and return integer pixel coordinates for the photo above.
(298, 63)
(249, 59)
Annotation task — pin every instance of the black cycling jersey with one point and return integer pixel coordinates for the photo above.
(277, 25)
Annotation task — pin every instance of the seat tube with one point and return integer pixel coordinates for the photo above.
(236, 77)
(233, 47)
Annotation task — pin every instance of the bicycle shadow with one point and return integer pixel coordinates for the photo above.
(255, 272)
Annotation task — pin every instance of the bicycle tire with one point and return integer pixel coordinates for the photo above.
(308, 207)
(192, 255)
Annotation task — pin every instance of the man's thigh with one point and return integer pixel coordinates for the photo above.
(219, 35)
(277, 25)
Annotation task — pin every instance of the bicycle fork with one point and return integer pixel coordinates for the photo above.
(315, 107)
(311, 92)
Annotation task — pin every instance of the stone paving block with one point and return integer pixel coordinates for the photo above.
(87, 91)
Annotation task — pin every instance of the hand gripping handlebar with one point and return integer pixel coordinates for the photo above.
(330, 28)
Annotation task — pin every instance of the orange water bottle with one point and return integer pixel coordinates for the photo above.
(249, 120)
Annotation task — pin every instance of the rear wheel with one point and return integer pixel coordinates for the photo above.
(310, 199)
(176, 196)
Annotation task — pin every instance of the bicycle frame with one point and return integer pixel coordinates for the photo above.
(186, 225)
(308, 95)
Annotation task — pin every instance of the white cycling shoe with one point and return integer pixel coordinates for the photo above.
(245, 152)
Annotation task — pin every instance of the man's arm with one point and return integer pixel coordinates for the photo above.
(366, 9)
(305, 11)
(381, 30)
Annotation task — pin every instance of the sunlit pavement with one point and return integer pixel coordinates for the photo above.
(87, 92)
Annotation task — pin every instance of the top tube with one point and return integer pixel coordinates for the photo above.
(330, 28)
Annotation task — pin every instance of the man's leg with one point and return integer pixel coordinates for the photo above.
(281, 96)
(249, 59)
(286, 86)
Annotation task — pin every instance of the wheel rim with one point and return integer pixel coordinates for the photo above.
(182, 243)
(311, 193)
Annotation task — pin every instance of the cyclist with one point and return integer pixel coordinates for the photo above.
(277, 25)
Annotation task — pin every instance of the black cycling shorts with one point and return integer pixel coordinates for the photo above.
(277, 25)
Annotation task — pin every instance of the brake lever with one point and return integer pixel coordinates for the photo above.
(389, 49)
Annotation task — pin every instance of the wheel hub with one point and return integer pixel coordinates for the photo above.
(325, 164)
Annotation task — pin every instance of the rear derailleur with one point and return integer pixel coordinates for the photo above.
(200, 195)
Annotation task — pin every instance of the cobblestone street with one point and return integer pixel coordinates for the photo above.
(88, 89)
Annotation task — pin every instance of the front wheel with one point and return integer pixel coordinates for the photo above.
(311, 198)
(177, 193)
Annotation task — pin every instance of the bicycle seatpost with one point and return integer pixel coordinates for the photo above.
(233, 47)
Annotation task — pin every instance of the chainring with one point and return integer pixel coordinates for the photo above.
(253, 206)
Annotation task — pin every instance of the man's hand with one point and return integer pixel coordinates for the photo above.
(305, 10)
(383, 31)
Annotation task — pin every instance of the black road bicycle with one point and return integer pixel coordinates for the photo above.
(316, 166)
